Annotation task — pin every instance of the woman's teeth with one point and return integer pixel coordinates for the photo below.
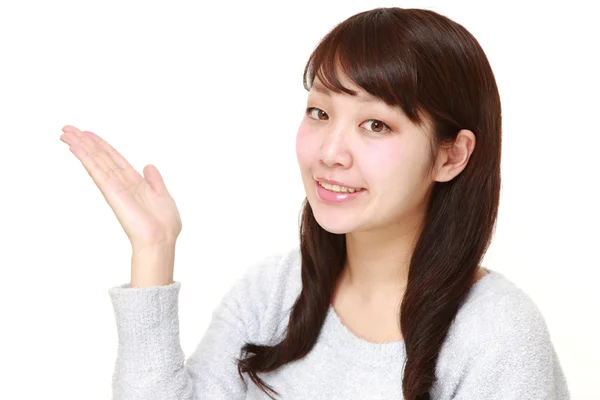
(338, 189)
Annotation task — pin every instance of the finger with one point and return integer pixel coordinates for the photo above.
(155, 179)
(130, 175)
(99, 151)
(98, 165)
(105, 178)
(70, 135)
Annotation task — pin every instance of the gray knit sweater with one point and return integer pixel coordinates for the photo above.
(498, 347)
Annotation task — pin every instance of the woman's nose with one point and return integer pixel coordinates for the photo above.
(334, 149)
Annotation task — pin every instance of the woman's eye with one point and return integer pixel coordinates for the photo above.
(378, 126)
(316, 113)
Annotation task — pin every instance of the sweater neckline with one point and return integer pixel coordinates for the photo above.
(356, 349)
(363, 352)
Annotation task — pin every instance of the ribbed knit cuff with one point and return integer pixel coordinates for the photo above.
(147, 322)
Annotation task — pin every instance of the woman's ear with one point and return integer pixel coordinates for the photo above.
(451, 160)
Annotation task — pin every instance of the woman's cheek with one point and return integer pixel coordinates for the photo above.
(304, 145)
(385, 163)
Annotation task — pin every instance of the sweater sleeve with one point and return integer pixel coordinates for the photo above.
(150, 363)
(516, 360)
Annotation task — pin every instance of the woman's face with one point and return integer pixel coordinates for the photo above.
(364, 144)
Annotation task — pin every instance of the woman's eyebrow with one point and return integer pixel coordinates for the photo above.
(362, 97)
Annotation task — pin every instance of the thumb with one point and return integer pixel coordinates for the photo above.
(154, 178)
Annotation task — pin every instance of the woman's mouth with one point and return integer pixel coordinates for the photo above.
(336, 193)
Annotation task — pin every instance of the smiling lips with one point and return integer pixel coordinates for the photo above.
(332, 183)
(332, 192)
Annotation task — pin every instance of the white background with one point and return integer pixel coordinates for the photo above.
(212, 95)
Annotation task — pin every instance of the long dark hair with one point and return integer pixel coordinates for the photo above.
(430, 67)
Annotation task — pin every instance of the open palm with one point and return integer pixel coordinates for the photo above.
(142, 204)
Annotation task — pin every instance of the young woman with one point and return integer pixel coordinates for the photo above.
(399, 153)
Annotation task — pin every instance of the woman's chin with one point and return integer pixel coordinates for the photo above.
(335, 225)
(333, 218)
